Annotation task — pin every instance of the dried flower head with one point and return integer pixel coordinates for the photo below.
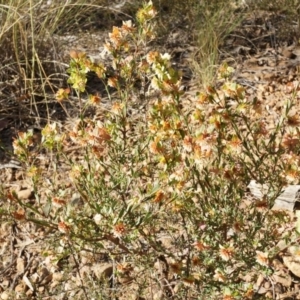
(155, 147)
(176, 267)
(146, 13)
(257, 106)
(260, 129)
(293, 120)
(188, 143)
(117, 107)
(159, 196)
(219, 276)
(64, 227)
(292, 175)
(261, 205)
(249, 293)
(262, 258)
(196, 261)
(58, 202)
(200, 246)
(115, 36)
(235, 144)
(188, 281)
(128, 27)
(290, 142)
(152, 56)
(120, 229)
(33, 171)
(94, 99)
(62, 94)
(102, 133)
(98, 150)
(112, 82)
(19, 215)
(226, 253)
(124, 268)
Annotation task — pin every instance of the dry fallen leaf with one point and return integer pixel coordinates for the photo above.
(103, 270)
(20, 265)
(282, 278)
(20, 288)
(24, 194)
(28, 283)
(292, 265)
(5, 296)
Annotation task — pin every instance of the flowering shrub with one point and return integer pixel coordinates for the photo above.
(167, 184)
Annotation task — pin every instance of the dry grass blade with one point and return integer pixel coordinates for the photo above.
(31, 55)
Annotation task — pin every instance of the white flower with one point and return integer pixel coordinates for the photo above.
(97, 219)
(166, 56)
